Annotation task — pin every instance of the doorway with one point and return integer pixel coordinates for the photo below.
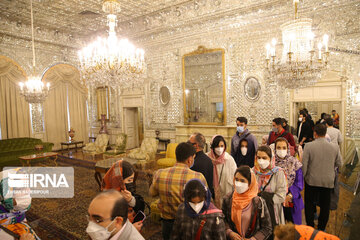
(134, 127)
(315, 108)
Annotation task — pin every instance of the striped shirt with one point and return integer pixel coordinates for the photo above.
(169, 184)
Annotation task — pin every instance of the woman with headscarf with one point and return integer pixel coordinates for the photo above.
(246, 214)
(224, 168)
(121, 177)
(271, 182)
(292, 167)
(290, 231)
(264, 139)
(14, 203)
(198, 218)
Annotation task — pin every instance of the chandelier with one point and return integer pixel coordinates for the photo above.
(111, 61)
(34, 89)
(300, 65)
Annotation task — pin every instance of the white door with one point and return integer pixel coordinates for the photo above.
(131, 129)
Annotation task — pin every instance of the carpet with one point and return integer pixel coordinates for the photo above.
(66, 218)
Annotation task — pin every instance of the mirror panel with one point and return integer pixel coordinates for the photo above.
(252, 88)
(103, 102)
(204, 87)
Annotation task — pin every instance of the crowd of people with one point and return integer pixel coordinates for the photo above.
(253, 192)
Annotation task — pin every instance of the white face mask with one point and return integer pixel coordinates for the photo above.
(243, 151)
(22, 203)
(300, 119)
(97, 232)
(241, 187)
(281, 153)
(197, 206)
(263, 163)
(219, 150)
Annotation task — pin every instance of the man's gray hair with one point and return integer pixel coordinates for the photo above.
(200, 139)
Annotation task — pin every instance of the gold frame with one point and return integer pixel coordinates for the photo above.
(203, 50)
(97, 101)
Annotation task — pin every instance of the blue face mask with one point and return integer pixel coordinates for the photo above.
(240, 129)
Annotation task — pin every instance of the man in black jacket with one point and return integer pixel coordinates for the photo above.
(202, 163)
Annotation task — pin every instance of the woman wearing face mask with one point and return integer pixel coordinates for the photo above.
(121, 178)
(292, 167)
(224, 168)
(13, 208)
(272, 183)
(246, 214)
(197, 218)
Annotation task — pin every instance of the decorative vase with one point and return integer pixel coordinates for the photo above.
(103, 128)
(39, 147)
(71, 134)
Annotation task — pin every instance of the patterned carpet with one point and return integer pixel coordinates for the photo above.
(66, 218)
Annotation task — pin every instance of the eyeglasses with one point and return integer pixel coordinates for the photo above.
(97, 220)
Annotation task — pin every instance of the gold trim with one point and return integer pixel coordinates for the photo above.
(198, 51)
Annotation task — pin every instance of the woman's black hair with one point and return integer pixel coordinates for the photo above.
(245, 171)
(194, 188)
(216, 141)
(266, 149)
(128, 169)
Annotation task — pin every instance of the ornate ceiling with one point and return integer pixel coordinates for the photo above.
(79, 17)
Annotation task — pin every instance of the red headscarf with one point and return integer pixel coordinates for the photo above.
(113, 178)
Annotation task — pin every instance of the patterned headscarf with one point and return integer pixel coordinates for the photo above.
(265, 174)
(113, 178)
(290, 164)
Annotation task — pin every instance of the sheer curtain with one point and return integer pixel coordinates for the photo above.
(66, 104)
(14, 110)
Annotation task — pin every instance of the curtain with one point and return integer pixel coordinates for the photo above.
(66, 91)
(78, 113)
(14, 110)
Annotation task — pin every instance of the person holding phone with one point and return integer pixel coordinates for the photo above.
(292, 167)
(198, 218)
(121, 178)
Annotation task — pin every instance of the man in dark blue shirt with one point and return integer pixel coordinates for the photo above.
(202, 163)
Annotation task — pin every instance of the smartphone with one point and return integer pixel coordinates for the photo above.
(140, 216)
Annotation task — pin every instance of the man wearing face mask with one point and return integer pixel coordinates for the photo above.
(108, 213)
(202, 163)
(169, 184)
(243, 133)
(279, 131)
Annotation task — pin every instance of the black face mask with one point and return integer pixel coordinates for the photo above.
(131, 187)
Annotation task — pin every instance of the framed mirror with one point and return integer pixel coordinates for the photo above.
(204, 89)
(164, 95)
(103, 102)
(252, 88)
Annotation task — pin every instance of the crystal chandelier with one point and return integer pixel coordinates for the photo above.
(300, 64)
(34, 89)
(111, 61)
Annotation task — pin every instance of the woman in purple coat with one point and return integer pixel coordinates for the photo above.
(292, 167)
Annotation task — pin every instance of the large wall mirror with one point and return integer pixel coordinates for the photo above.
(103, 102)
(204, 87)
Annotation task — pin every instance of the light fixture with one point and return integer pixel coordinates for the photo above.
(300, 64)
(34, 90)
(111, 61)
